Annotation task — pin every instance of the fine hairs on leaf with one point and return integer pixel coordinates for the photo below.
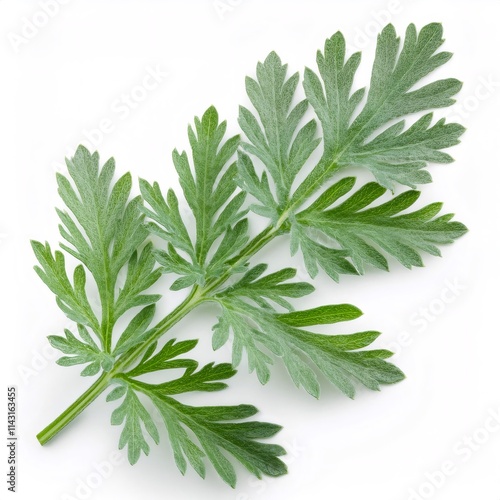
(337, 224)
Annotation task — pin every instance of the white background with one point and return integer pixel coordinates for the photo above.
(60, 81)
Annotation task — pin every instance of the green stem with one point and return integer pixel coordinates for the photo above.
(74, 410)
(186, 306)
(252, 248)
(104, 380)
(196, 296)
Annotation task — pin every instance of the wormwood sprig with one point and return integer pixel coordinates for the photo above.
(338, 226)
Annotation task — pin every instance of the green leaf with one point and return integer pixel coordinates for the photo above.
(70, 298)
(270, 288)
(277, 140)
(210, 189)
(323, 315)
(207, 379)
(136, 330)
(210, 157)
(172, 262)
(259, 330)
(259, 188)
(366, 231)
(166, 214)
(105, 232)
(219, 430)
(267, 292)
(81, 351)
(333, 261)
(140, 277)
(393, 154)
(216, 432)
(133, 413)
(342, 366)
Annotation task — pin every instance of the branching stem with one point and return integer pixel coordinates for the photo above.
(195, 297)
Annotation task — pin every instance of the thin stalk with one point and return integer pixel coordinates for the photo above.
(74, 410)
(196, 297)
(186, 306)
(103, 381)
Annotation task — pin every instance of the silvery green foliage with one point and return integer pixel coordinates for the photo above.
(339, 227)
